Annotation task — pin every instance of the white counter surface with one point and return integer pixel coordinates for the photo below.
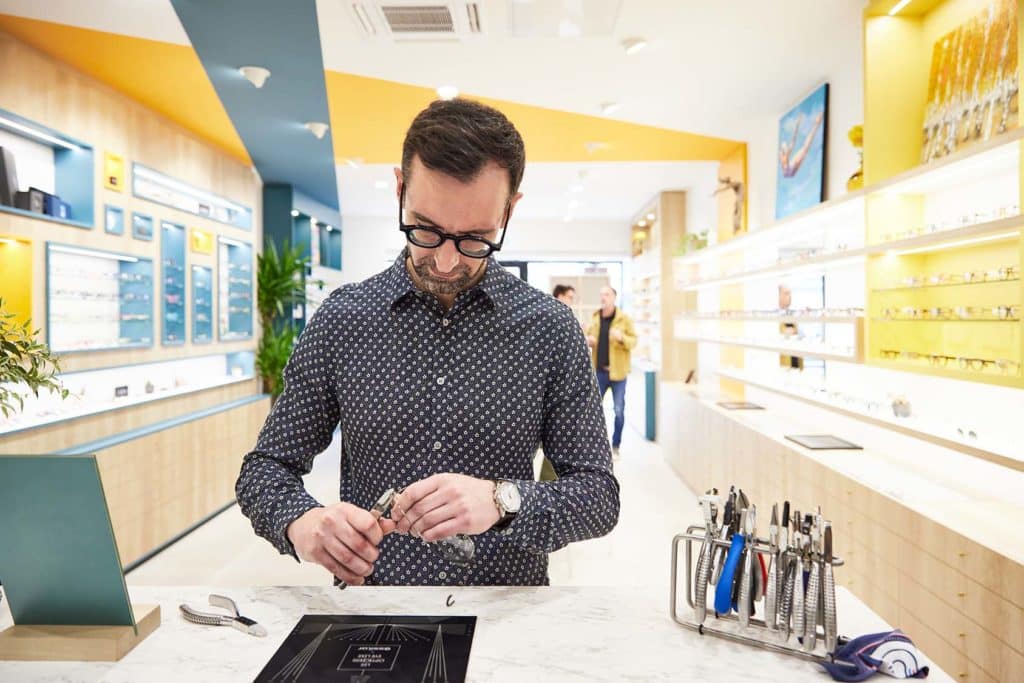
(522, 634)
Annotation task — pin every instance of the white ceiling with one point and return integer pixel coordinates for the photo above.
(612, 191)
(711, 66)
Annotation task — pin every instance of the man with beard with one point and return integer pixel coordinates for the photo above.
(445, 373)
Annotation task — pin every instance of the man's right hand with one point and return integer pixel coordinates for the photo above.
(342, 538)
(591, 341)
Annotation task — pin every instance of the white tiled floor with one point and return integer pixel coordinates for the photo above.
(655, 506)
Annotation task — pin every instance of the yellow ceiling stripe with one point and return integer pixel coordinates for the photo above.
(369, 117)
(165, 77)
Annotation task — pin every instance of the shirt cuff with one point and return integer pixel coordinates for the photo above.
(288, 513)
(529, 525)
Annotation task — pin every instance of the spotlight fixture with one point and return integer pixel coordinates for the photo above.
(650, 216)
(317, 128)
(256, 75)
(447, 92)
(633, 45)
(609, 108)
(295, 213)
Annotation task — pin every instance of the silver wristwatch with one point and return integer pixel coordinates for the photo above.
(507, 500)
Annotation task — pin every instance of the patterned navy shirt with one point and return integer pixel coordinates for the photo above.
(417, 391)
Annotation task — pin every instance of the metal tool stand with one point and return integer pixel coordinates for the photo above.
(758, 633)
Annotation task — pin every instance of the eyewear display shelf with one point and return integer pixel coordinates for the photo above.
(172, 251)
(202, 305)
(235, 289)
(92, 392)
(97, 300)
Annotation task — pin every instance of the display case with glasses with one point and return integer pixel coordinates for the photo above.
(97, 299)
(97, 391)
(235, 289)
(172, 306)
(202, 305)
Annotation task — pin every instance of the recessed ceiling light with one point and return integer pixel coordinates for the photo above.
(381, 185)
(609, 108)
(295, 213)
(447, 92)
(650, 216)
(317, 128)
(898, 6)
(633, 45)
(256, 75)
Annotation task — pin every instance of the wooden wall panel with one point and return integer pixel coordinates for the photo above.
(159, 485)
(45, 90)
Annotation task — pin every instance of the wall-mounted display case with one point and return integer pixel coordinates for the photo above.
(202, 305)
(44, 173)
(97, 299)
(162, 189)
(98, 391)
(172, 304)
(234, 289)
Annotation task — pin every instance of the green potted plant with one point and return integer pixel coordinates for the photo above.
(24, 362)
(280, 284)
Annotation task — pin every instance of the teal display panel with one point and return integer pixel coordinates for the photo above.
(59, 563)
(142, 227)
(97, 300)
(172, 305)
(113, 220)
(235, 289)
(202, 305)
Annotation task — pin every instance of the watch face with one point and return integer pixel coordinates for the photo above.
(508, 493)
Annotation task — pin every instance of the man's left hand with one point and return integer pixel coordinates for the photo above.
(616, 335)
(444, 505)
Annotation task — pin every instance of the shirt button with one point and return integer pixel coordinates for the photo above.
(443, 575)
(440, 380)
(437, 445)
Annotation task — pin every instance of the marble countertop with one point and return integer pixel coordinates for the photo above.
(523, 634)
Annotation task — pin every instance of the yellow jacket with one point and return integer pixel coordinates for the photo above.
(619, 360)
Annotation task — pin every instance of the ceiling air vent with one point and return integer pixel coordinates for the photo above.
(427, 19)
(412, 20)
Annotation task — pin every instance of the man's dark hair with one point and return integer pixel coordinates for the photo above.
(562, 289)
(458, 137)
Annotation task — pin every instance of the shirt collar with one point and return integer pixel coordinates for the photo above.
(398, 284)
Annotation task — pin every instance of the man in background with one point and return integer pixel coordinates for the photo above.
(566, 294)
(611, 338)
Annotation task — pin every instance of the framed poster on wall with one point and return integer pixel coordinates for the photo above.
(801, 154)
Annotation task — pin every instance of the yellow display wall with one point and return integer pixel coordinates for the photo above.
(958, 326)
(16, 268)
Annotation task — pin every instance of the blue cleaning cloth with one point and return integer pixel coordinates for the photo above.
(892, 653)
